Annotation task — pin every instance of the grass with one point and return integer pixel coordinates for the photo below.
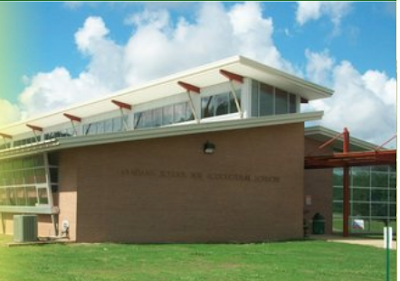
(297, 260)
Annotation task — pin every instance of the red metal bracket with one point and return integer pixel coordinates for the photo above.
(232, 76)
(189, 87)
(5, 136)
(122, 104)
(72, 117)
(35, 128)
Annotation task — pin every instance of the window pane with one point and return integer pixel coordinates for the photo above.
(392, 197)
(117, 124)
(108, 126)
(292, 104)
(379, 210)
(42, 194)
(254, 98)
(232, 103)
(379, 195)
(266, 100)
(360, 209)
(221, 104)
(281, 101)
(361, 194)
(182, 112)
(392, 178)
(20, 196)
(338, 208)
(337, 193)
(361, 177)
(147, 118)
(380, 180)
(168, 115)
(207, 107)
(31, 196)
(157, 117)
(392, 211)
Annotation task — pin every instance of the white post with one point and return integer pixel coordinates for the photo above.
(385, 237)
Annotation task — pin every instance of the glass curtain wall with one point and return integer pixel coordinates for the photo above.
(372, 199)
(26, 181)
(269, 100)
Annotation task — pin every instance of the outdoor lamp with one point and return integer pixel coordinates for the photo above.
(209, 148)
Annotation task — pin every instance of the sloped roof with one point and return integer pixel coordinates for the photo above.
(201, 77)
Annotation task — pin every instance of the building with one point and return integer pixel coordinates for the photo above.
(213, 154)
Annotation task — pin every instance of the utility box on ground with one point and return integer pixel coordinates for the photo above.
(25, 228)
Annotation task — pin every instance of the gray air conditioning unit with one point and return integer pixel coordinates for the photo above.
(25, 228)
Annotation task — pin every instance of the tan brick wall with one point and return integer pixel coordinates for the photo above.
(318, 184)
(67, 195)
(168, 190)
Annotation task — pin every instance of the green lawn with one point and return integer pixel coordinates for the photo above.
(299, 260)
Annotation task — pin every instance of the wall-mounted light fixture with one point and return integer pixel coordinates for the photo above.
(209, 148)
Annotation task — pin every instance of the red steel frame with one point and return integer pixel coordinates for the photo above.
(349, 159)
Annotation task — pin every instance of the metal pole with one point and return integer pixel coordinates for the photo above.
(387, 252)
(346, 185)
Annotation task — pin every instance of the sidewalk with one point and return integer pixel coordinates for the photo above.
(354, 240)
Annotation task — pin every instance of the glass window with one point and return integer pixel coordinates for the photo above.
(254, 98)
(117, 124)
(42, 196)
(281, 101)
(108, 126)
(168, 115)
(360, 177)
(379, 210)
(337, 193)
(157, 117)
(292, 103)
(20, 196)
(207, 107)
(266, 106)
(31, 196)
(379, 195)
(380, 179)
(182, 112)
(232, 103)
(360, 194)
(221, 104)
(360, 209)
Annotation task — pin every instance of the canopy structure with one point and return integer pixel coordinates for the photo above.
(345, 160)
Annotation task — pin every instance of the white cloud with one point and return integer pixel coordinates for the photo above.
(9, 112)
(364, 103)
(309, 11)
(319, 67)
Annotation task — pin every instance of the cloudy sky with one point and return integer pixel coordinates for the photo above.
(59, 54)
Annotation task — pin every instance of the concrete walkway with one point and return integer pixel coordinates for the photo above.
(354, 240)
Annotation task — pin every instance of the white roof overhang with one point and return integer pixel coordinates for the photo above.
(322, 134)
(201, 77)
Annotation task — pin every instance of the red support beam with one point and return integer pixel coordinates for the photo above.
(189, 87)
(35, 128)
(303, 100)
(5, 136)
(72, 117)
(121, 104)
(232, 76)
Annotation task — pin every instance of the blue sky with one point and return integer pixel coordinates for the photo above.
(327, 43)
